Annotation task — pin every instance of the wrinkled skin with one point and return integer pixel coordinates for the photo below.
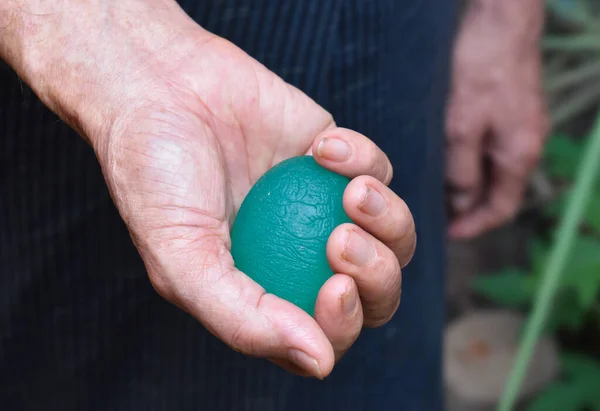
(183, 124)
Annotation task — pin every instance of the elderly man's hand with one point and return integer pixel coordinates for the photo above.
(496, 120)
(183, 123)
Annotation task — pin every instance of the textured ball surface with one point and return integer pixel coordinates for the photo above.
(280, 234)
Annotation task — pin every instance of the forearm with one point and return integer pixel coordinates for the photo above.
(74, 53)
(40, 38)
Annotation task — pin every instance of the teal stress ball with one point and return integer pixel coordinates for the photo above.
(280, 234)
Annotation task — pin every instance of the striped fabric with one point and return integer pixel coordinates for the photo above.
(80, 326)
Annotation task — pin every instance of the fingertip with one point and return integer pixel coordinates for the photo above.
(471, 225)
(305, 362)
(338, 298)
(269, 327)
(337, 241)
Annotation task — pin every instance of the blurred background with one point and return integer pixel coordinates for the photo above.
(493, 281)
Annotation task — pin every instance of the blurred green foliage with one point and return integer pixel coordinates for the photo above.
(580, 13)
(576, 391)
(571, 50)
(577, 301)
(578, 296)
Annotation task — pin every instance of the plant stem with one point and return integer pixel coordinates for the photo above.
(576, 43)
(556, 262)
(556, 63)
(569, 78)
(582, 15)
(580, 101)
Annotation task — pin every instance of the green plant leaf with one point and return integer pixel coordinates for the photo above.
(562, 156)
(583, 272)
(566, 312)
(538, 251)
(560, 397)
(574, 11)
(592, 215)
(578, 389)
(556, 208)
(577, 365)
(571, 43)
(591, 218)
(511, 287)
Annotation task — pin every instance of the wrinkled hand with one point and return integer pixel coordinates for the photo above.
(183, 124)
(496, 119)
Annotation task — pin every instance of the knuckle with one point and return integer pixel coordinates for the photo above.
(532, 151)
(389, 278)
(348, 340)
(393, 283)
(239, 340)
(384, 302)
(378, 164)
(378, 318)
(244, 337)
(460, 131)
(328, 121)
(162, 286)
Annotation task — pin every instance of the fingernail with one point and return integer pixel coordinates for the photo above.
(359, 251)
(305, 361)
(372, 203)
(350, 300)
(333, 149)
(461, 202)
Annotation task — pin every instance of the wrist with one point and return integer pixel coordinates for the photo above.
(35, 36)
(517, 22)
(79, 58)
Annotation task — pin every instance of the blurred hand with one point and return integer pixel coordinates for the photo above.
(496, 119)
(183, 124)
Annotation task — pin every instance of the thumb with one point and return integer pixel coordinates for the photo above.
(201, 279)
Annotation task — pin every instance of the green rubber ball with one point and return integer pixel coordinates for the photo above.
(280, 234)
